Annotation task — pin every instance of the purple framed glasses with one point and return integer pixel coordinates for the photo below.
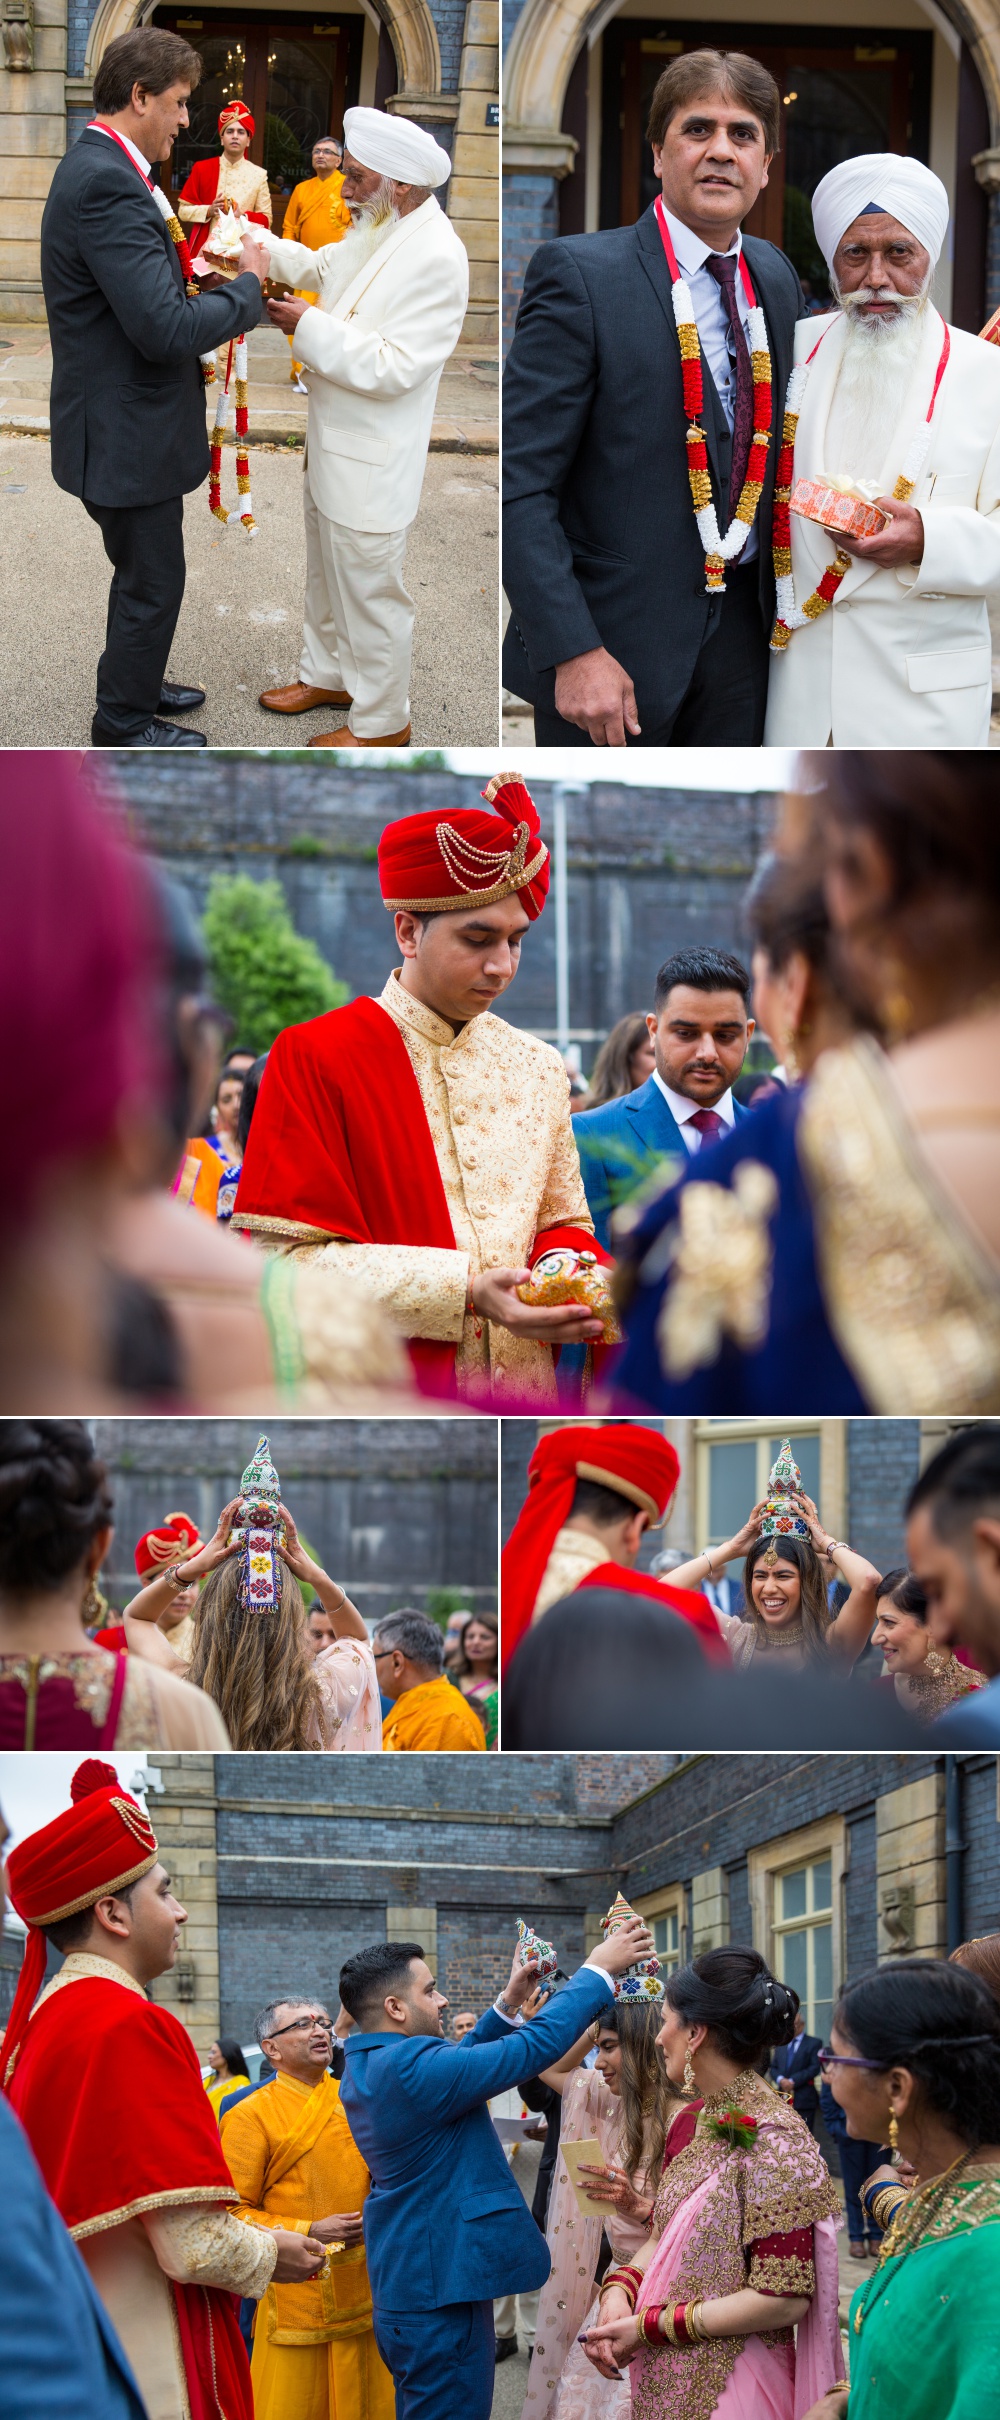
(835, 2058)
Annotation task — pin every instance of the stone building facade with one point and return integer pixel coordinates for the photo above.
(394, 1509)
(917, 76)
(649, 869)
(435, 61)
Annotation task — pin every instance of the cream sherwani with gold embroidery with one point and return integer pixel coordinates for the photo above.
(241, 183)
(497, 1105)
(574, 1554)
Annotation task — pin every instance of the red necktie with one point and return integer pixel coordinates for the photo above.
(722, 266)
(709, 1124)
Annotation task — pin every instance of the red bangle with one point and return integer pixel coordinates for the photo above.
(680, 2324)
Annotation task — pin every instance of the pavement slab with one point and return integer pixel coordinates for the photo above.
(241, 620)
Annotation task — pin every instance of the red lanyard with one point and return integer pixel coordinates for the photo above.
(661, 221)
(95, 127)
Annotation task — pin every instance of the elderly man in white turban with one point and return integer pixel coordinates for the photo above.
(391, 300)
(884, 640)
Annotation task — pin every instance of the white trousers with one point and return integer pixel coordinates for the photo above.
(358, 629)
(509, 2308)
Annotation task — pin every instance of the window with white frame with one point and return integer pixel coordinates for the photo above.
(802, 1932)
(666, 1931)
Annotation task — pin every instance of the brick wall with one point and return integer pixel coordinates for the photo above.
(391, 1507)
(883, 1458)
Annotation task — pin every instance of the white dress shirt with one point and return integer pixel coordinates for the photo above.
(684, 1110)
(117, 136)
(713, 326)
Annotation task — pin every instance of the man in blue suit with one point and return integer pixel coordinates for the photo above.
(58, 2350)
(700, 1028)
(795, 2069)
(446, 2229)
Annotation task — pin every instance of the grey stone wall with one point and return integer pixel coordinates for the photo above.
(650, 869)
(391, 1507)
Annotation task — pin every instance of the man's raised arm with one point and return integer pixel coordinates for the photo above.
(472, 2071)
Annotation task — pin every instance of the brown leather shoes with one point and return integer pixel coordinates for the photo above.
(348, 739)
(298, 698)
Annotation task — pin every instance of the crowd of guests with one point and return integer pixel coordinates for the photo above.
(680, 2252)
(823, 1649)
(192, 1662)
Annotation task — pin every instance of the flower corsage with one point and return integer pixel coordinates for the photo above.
(734, 2127)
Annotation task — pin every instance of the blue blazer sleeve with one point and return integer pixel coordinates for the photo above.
(461, 2076)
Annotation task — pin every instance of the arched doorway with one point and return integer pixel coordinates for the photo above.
(578, 77)
(297, 73)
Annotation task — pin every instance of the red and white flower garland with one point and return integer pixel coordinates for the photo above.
(790, 616)
(239, 349)
(719, 549)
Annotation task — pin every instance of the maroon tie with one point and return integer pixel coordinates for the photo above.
(709, 1124)
(722, 266)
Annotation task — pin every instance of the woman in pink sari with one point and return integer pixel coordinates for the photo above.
(743, 2251)
(626, 2104)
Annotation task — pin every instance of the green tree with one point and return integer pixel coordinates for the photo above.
(265, 973)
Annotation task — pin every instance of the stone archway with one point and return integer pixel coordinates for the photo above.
(409, 24)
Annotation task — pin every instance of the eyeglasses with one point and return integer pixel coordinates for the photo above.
(302, 2025)
(835, 2058)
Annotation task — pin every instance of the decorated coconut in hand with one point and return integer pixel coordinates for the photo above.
(641, 1981)
(781, 1519)
(839, 504)
(530, 1945)
(223, 244)
(259, 1531)
(568, 1274)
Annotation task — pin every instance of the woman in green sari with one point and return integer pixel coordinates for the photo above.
(915, 2059)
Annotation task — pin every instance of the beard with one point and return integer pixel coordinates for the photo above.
(372, 221)
(872, 383)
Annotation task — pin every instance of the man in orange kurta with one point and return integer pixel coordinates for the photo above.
(428, 1711)
(294, 2162)
(316, 214)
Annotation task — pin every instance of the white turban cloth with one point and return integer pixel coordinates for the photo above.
(394, 147)
(906, 189)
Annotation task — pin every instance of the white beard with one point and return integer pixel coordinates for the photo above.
(875, 371)
(353, 250)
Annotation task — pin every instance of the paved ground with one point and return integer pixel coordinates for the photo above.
(466, 418)
(240, 624)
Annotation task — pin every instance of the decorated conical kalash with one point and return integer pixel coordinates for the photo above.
(531, 1945)
(641, 1981)
(780, 1517)
(259, 1531)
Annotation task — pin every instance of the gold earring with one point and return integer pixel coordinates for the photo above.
(896, 1004)
(893, 2131)
(689, 2083)
(92, 1607)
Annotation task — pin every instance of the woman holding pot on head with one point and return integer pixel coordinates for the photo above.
(626, 2103)
(743, 2248)
(790, 1561)
(927, 1679)
(915, 2058)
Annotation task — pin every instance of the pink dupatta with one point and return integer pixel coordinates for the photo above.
(768, 2382)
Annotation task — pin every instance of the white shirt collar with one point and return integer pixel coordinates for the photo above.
(683, 1109)
(691, 252)
(115, 134)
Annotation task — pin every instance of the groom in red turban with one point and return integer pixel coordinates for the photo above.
(592, 1491)
(108, 2089)
(418, 1142)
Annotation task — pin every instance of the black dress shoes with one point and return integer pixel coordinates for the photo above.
(506, 2348)
(155, 735)
(179, 701)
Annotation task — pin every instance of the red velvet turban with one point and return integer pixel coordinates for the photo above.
(467, 859)
(636, 1462)
(169, 1544)
(102, 1843)
(238, 110)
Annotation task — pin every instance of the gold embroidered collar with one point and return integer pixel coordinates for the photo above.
(80, 1966)
(405, 1009)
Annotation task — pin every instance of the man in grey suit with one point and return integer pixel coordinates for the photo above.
(129, 433)
(700, 1028)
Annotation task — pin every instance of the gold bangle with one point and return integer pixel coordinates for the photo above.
(692, 2321)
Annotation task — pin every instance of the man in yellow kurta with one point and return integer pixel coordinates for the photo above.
(428, 1711)
(316, 215)
(293, 2160)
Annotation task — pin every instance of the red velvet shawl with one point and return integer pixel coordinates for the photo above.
(687, 1602)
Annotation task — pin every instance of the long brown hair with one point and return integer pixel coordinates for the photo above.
(648, 2100)
(813, 1606)
(612, 1076)
(981, 1956)
(256, 1665)
(488, 1621)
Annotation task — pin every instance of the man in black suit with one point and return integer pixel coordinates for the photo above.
(128, 400)
(612, 634)
(795, 2068)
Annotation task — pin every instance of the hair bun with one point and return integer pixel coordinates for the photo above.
(92, 1775)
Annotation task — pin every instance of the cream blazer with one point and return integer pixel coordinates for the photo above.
(902, 659)
(374, 360)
